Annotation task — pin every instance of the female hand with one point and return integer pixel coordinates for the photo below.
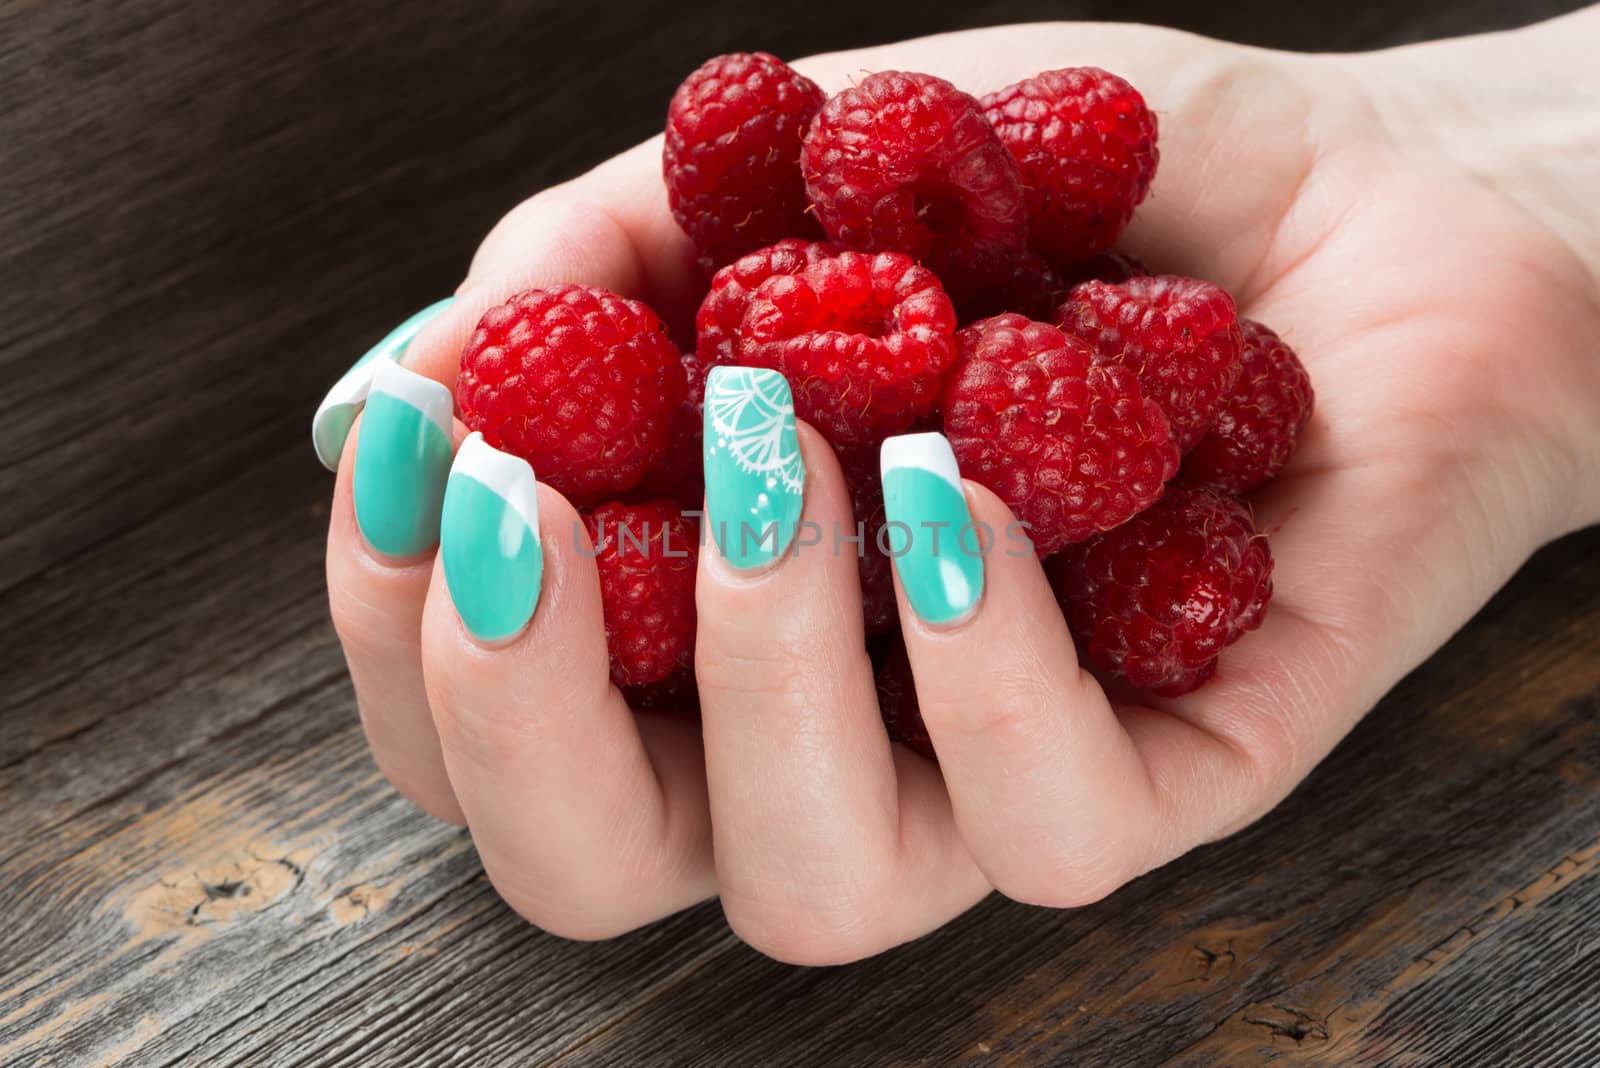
(1415, 230)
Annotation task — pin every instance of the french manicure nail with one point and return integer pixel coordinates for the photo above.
(402, 461)
(755, 477)
(331, 425)
(937, 551)
(489, 540)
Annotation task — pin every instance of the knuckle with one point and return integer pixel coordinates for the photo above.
(749, 669)
(1060, 880)
(834, 919)
(1010, 710)
(472, 722)
(581, 913)
(364, 627)
(803, 934)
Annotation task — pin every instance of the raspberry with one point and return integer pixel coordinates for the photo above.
(864, 341)
(897, 700)
(722, 310)
(646, 554)
(1070, 444)
(907, 163)
(578, 381)
(862, 475)
(1156, 600)
(1258, 425)
(1086, 146)
(732, 155)
(1179, 335)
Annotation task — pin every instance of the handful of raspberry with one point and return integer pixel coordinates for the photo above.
(909, 256)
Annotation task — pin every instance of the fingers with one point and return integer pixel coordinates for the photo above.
(588, 823)
(823, 853)
(381, 537)
(597, 229)
(1047, 787)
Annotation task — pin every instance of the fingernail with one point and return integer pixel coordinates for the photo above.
(489, 540)
(331, 425)
(937, 551)
(402, 461)
(755, 478)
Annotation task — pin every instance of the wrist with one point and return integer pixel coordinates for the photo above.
(1516, 110)
(1515, 113)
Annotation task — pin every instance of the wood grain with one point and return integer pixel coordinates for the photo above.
(207, 210)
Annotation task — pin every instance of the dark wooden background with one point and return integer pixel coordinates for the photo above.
(206, 211)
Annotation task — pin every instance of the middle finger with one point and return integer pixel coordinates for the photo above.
(818, 840)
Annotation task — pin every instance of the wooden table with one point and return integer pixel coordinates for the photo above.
(207, 210)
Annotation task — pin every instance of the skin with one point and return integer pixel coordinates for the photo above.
(1412, 221)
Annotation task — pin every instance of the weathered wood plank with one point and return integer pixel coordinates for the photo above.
(269, 899)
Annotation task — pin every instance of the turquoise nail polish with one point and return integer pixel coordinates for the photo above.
(937, 551)
(755, 477)
(489, 540)
(402, 461)
(331, 425)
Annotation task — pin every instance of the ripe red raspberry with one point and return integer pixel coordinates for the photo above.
(864, 341)
(1086, 146)
(907, 163)
(879, 611)
(1259, 423)
(1156, 600)
(897, 701)
(1179, 335)
(722, 310)
(577, 381)
(732, 155)
(1071, 445)
(646, 554)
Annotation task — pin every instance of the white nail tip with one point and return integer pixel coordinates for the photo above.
(422, 393)
(331, 425)
(928, 452)
(508, 477)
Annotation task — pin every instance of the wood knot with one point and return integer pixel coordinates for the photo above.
(227, 891)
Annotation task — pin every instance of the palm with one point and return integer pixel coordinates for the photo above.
(1410, 291)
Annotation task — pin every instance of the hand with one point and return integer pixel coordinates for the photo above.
(1377, 210)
